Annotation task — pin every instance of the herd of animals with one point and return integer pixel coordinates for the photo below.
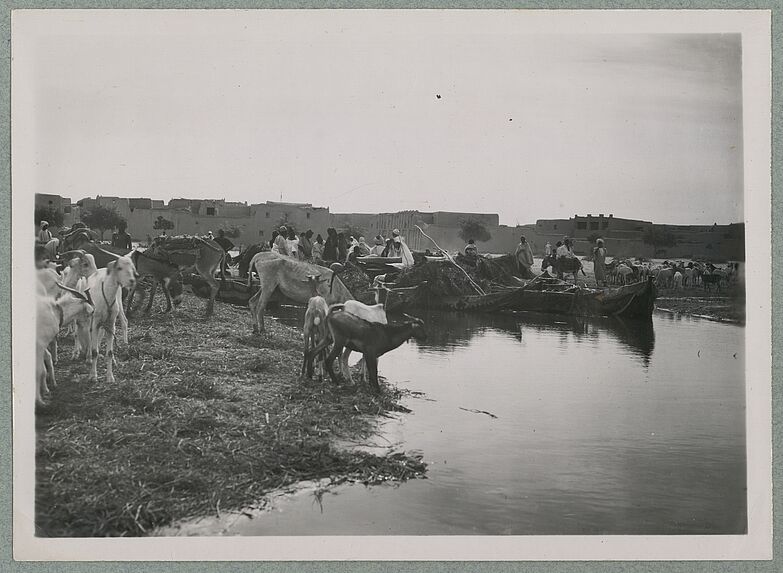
(668, 275)
(676, 275)
(82, 290)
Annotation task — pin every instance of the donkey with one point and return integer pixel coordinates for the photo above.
(163, 272)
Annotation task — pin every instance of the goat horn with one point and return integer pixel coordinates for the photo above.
(74, 292)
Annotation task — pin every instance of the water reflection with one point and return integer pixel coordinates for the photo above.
(448, 331)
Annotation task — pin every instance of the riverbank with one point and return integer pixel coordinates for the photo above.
(728, 305)
(203, 417)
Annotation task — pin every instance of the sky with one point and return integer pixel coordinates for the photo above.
(383, 112)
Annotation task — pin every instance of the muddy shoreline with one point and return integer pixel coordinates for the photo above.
(204, 418)
(725, 306)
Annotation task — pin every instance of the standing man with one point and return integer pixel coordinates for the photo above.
(226, 245)
(121, 239)
(306, 244)
(599, 262)
(524, 258)
(280, 245)
(330, 246)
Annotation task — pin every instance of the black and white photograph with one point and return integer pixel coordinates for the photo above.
(369, 282)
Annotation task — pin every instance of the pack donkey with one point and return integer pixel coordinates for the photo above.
(161, 272)
(203, 255)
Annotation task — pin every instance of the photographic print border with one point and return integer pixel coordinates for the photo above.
(5, 314)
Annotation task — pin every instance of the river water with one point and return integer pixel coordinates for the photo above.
(599, 427)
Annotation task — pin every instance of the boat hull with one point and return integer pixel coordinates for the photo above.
(635, 301)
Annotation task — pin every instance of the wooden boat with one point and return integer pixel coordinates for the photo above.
(631, 301)
(636, 300)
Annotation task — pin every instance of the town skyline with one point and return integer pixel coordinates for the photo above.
(520, 223)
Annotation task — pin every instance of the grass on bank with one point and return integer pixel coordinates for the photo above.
(203, 416)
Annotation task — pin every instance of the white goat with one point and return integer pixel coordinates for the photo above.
(50, 317)
(81, 266)
(314, 328)
(105, 290)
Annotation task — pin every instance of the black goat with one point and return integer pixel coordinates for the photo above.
(371, 339)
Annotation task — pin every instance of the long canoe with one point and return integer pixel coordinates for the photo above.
(631, 301)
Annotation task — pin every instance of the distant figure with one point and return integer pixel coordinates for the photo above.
(355, 252)
(378, 247)
(392, 249)
(275, 233)
(398, 248)
(306, 245)
(293, 244)
(318, 248)
(364, 248)
(342, 248)
(548, 249)
(280, 246)
(564, 249)
(524, 258)
(330, 246)
(471, 250)
(226, 245)
(121, 239)
(44, 235)
(352, 243)
(599, 262)
(210, 236)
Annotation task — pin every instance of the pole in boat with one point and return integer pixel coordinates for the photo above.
(448, 256)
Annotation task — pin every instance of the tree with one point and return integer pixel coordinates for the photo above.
(49, 214)
(659, 238)
(473, 229)
(103, 219)
(162, 224)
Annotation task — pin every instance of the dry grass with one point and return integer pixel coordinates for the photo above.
(203, 415)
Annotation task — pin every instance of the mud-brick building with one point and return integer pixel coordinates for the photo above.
(62, 204)
(248, 224)
(631, 237)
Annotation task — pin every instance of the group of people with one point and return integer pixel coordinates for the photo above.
(337, 247)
